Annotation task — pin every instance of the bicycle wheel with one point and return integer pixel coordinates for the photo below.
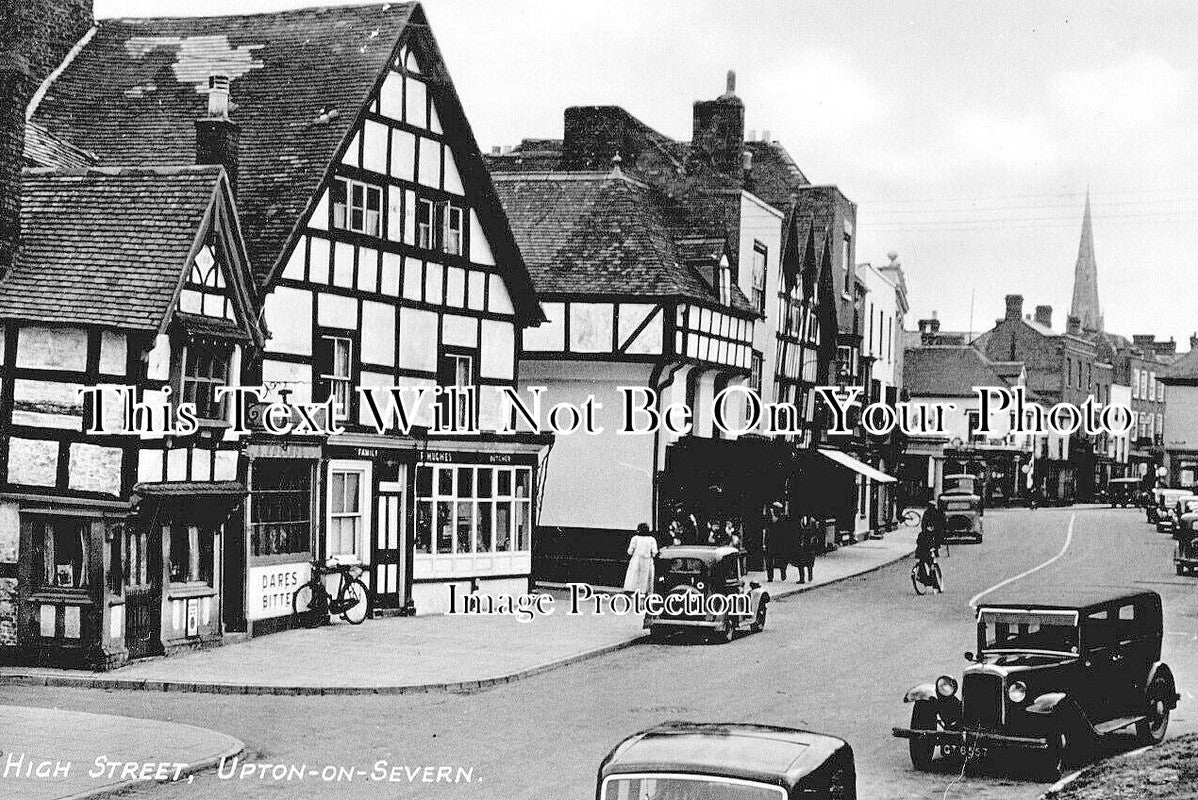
(358, 610)
(305, 599)
(915, 580)
(937, 577)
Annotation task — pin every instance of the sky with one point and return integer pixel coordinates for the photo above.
(966, 133)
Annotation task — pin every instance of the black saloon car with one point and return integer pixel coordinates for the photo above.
(1051, 674)
(695, 761)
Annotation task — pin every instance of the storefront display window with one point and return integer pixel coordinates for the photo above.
(281, 508)
(60, 547)
(191, 553)
(472, 509)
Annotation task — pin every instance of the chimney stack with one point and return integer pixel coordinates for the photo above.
(1044, 316)
(1193, 340)
(217, 136)
(1073, 325)
(718, 131)
(1014, 306)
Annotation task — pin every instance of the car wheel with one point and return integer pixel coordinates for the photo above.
(1152, 730)
(759, 622)
(727, 631)
(1067, 745)
(923, 749)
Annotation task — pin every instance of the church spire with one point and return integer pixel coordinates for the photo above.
(1085, 278)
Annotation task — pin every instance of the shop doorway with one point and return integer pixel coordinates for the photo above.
(390, 544)
(143, 591)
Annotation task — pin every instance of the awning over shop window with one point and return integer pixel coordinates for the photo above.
(845, 460)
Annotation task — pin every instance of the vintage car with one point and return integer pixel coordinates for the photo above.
(1052, 675)
(1162, 500)
(694, 761)
(1123, 492)
(1169, 518)
(1185, 554)
(703, 586)
(961, 503)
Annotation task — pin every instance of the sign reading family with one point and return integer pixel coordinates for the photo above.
(736, 410)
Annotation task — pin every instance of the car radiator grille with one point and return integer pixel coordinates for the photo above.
(982, 696)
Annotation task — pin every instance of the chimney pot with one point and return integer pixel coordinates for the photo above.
(1014, 306)
(1044, 316)
(495, 150)
(765, 136)
(752, 135)
(731, 90)
(218, 96)
(746, 161)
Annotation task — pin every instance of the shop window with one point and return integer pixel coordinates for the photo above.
(467, 509)
(345, 512)
(439, 226)
(357, 206)
(280, 506)
(60, 552)
(334, 369)
(206, 367)
(192, 556)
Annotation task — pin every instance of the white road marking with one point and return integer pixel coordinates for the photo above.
(973, 601)
(1061, 784)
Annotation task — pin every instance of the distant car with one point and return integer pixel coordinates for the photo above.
(702, 587)
(1185, 515)
(1185, 554)
(1162, 500)
(1169, 517)
(1123, 492)
(693, 761)
(1051, 674)
(963, 508)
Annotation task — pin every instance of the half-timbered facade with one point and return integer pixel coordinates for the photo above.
(133, 283)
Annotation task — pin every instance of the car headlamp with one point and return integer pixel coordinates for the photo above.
(1017, 692)
(946, 686)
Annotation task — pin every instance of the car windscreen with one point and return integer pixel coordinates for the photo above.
(1028, 631)
(686, 787)
(682, 569)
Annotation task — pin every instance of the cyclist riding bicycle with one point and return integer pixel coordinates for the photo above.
(931, 534)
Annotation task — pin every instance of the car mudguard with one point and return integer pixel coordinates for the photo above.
(1046, 704)
(924, 691)
(1161, 670)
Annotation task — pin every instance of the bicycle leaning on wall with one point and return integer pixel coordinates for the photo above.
(351, 600)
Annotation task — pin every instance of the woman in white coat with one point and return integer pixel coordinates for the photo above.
(642, 548)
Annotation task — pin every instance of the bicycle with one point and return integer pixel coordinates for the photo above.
(912, 518)
(351, 602)
(927, 574)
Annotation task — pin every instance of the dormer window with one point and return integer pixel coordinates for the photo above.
(357, 206)
(439, 226)
(205, 367)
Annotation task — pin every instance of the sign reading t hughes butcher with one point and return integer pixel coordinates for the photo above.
(272, 587)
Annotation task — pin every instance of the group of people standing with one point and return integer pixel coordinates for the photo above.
(784, 542)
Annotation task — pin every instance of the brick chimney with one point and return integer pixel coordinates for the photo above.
(1014, 306)
(594, 135)
(1073, 326)
(1143, 339)
(718, 133)
(217, 136)
(35, 38)
(1168, 348)
(1044, 316)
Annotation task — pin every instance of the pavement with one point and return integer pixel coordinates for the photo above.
(837, 660)
(51, 754)
(423, 654)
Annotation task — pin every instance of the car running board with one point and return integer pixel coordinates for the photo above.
(1103, 728)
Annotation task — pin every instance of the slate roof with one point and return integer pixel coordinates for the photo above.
(131, 93)
(604, 233)
(105, 247)
(947, 371)
(44, 149)
(1184, 369)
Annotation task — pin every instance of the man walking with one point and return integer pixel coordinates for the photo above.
(776, 543)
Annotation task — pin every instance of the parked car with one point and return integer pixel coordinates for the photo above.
(692, 761)
(1123, 492)
(704, 587)
(1169, 518)
(1162, 499)
(963, 508)
(1051, 674)
(1185, 554)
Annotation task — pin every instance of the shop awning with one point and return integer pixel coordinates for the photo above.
(860, 467)
(191, 489)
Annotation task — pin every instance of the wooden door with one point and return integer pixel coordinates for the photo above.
(388, 560)
(143, 591)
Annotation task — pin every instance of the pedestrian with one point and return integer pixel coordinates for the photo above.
(674, 532)
(733, 532)
(776, 542)
(642, 548)
(715, 533)
(807, 544)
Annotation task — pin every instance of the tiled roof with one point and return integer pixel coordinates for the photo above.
(947, 371)
(131, 93)
(604, 234)
(1184, 369)
(105, 247)
(44, 149)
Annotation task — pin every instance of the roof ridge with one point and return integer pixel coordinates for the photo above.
(125, 171)
(280, 13)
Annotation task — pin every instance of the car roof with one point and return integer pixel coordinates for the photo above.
(1066, 598)
(762, 753)
(704, 552)
(1124, 480)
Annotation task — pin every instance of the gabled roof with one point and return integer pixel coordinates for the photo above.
(606, 234)
(947, 371)
(110, 247)
(131, 94)
(1183, 370)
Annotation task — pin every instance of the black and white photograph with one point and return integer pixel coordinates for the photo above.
(610, 400)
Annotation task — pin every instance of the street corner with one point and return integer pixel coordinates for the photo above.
(52, 754)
